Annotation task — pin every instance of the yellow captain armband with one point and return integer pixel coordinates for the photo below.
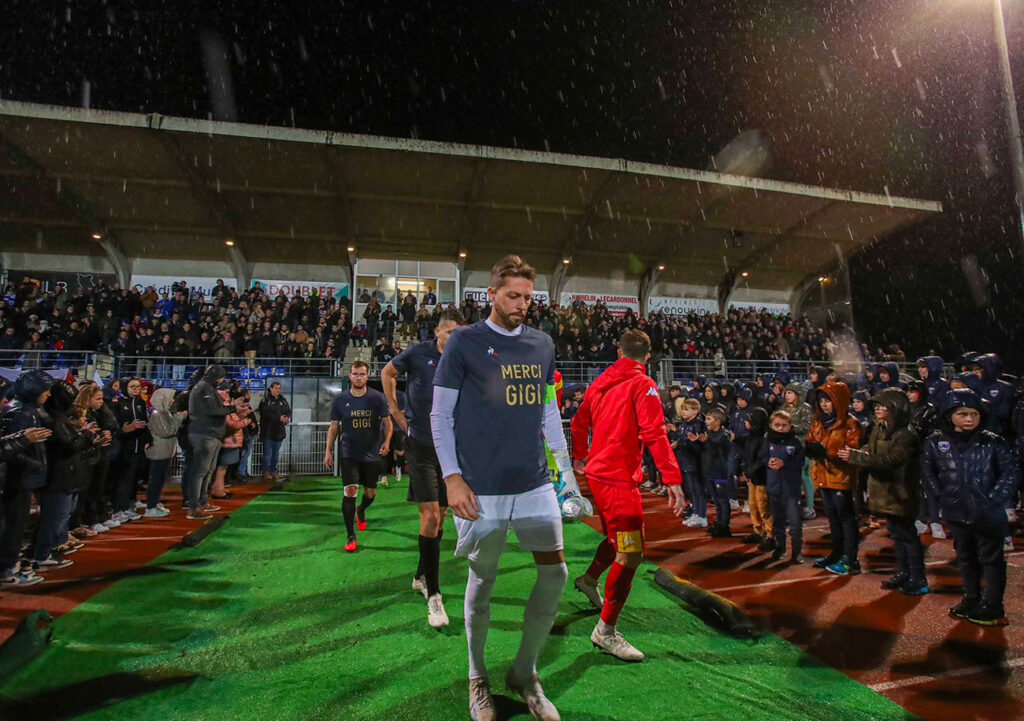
(550, 393)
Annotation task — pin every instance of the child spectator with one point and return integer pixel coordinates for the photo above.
(783, 454)
(753, 472)
(832, 430)
(687, 447)
(891, 458)
(800, 416)
(924, 419)
(973, 474)
(164, 425)
(714, 466)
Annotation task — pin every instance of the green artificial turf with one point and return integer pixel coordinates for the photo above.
(270, 619)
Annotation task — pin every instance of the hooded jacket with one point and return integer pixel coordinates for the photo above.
(820, 374)
(843, 431)
(70, 451)
(878, 385)
(206, 410)
(129, 409)
(164, 424)
(28, 468)
(937, 385)
(787, 481)
(687, 451)
(1000, 395)
(972, 476)
(754, 462)
(892, 459)
(739, 417)
(11, 446)
(800, 415)
(623, 408)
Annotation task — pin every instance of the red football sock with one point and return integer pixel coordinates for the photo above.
(603, 558)
(616, 591)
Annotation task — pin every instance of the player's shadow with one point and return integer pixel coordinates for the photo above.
(82, 697)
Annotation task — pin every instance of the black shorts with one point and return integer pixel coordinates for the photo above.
(359, 473)
(398, 440)
(426, 484)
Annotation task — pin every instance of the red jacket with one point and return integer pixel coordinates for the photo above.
(623, 407)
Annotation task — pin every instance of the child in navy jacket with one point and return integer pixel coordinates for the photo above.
(715, 467)
(687, 446)
(784, 454)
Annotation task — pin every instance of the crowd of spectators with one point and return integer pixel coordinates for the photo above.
(232, 324)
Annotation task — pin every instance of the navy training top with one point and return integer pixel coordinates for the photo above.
(359, 420)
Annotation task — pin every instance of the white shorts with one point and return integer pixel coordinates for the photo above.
(533, 515)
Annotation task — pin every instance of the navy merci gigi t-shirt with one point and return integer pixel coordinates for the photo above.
(419, 362)
(359, 420)
(503, 384)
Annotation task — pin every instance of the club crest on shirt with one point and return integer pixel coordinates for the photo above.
(944, 446)
(789, 450)
(431, 362)
(993, 392)
(491, 352)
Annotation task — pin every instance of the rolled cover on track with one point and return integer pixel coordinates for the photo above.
(26, 643)
(197, 536)
(719, 611)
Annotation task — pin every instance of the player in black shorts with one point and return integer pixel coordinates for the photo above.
(426, 485)
(394, 461)
(358, 413)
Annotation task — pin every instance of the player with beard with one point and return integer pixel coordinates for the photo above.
(426, 484)
(358, 414)
(494, 406)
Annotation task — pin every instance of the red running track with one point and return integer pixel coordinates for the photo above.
(906, 648)
(108, 557)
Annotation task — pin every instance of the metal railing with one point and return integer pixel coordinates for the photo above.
(28, 359)
(302, 453)
(169, 370)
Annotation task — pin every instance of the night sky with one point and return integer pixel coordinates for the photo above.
(862, 94)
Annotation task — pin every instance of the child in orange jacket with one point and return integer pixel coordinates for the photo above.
(832, 430)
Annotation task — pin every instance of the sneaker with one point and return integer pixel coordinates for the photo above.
(824, 561)
(51, 564)
(111, 522)
(617, 646)
(1008, 543)
(419, 583)
(588, 588)
(988, 614)
(538, 704)
(797, 557)
(896, 581)
(938, 532)
(735, 505)
(210, 508)
(99, 528)
(66, 549)
(718, 531)
(844, 567)
(83, 532)
(481, 705)
(778, 554)
(922, 527)
(963, 609)
(768, 544)
(132, 515)
(19, 578)
(200, 515)
(809, 514)
(398, 476)
(157, 512)
(915, 587)
(350, 544)
(121, 517)
(752, 538)
(360, 520)
(436, 616)
(139, 504)
(383, 481)
(696, 521)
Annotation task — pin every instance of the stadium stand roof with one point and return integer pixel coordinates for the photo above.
(170, 187)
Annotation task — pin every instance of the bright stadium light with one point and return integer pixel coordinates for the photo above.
(745, 274)
(351, 249)
(565, 261)
(822, 279)
(661, 267)
(229, 243)
(462, 254)
(97, 236)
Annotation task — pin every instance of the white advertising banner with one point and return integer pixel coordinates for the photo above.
(480, 295)
(303, 288)
(163, 283)
(616, 303)
(681, 306)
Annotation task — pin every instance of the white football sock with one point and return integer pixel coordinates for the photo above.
(539, 616)
(477, 608)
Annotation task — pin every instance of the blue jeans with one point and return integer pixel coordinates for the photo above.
(723, 494)
(786, 511)
(271, 451)
(54, 511)
(157, 478)
(243, 462)
(842, 522)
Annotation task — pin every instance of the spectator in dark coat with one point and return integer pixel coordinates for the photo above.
(275, 414)
(973, 475)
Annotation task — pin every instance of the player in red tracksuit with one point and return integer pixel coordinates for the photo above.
(623, 408)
